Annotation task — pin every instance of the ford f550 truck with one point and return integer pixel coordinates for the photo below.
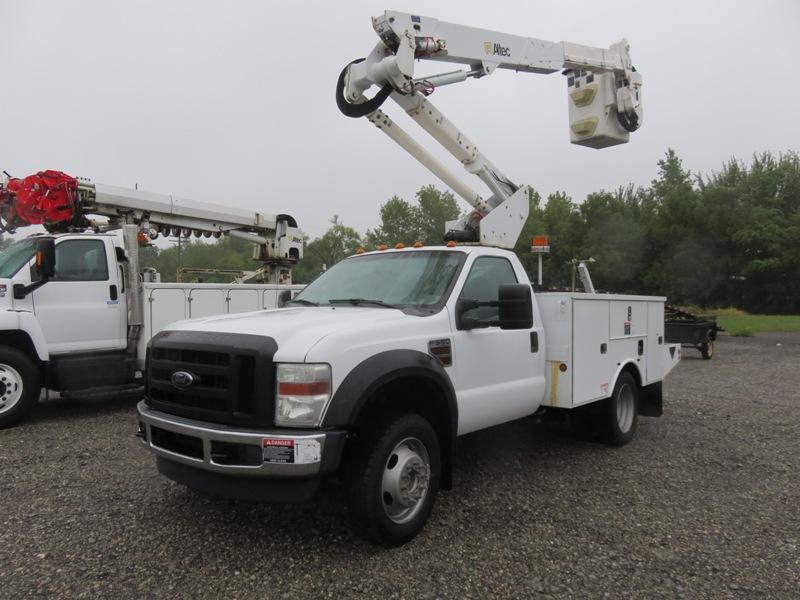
(377, 366)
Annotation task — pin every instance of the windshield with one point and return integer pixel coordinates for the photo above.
(398, 280)
(16, 256)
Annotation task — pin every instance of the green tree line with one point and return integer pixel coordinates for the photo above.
(728, 238)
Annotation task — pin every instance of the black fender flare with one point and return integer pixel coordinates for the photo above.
(380, 369)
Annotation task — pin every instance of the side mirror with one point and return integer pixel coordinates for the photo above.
(46, 258)
(515, 306)
(44, 265)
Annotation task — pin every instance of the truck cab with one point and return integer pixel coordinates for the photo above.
(65, 329)
(370, 374)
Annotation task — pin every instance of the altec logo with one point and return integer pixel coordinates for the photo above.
(496, 49)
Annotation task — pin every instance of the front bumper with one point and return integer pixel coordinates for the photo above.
(231, 461)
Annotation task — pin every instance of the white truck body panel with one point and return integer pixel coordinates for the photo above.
(165, 303)
(595, 336)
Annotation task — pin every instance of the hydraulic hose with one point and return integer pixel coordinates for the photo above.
(359, 110)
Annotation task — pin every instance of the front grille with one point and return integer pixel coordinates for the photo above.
(233, 376)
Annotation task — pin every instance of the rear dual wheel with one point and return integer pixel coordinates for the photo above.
(613, 420)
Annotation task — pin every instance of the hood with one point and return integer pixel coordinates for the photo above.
(296, 330)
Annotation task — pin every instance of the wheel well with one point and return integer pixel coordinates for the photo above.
(634, 371)
(417, 395)
(21, 341)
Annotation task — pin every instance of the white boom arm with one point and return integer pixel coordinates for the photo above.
(604, 103)
(64, 203)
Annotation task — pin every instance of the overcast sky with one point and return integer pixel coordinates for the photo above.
(233, 102)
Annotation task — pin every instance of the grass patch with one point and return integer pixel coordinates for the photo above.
(740, 331)
(738, 322)
(748, 325)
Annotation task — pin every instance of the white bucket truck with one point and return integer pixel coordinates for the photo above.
(371, 373)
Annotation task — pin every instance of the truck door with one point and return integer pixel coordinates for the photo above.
(498, 374)
(81, 308)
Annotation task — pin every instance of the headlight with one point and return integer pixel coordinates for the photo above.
(302, 392)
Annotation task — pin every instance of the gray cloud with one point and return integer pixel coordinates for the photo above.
(233, 102)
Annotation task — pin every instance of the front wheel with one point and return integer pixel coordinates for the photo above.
(394, 481)
(20, 386)
(622, 411)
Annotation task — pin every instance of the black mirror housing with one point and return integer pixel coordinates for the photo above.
(516, 306)
(46, 258)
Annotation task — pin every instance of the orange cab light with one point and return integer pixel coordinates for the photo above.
(540, 240)
(451, 244)
(417, 244)
(311, 388)
(360, 251)
(383, 247)
(399, 246)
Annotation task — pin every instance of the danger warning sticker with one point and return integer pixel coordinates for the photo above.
(278, 451)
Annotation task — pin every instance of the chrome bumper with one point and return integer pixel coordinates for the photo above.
(200, 445)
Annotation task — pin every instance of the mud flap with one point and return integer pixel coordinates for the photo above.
(651, 400)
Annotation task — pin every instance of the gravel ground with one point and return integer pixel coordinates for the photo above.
(702, 504)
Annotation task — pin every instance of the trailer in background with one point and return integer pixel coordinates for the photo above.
(690, 330)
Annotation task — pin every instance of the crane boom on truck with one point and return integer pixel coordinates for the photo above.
(76, 312)
(63, 203)
(604, 97)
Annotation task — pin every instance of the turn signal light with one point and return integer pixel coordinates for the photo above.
(312, 388)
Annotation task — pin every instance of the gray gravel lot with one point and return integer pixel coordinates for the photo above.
(704, 503)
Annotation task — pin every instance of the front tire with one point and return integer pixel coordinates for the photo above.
(20, 386)
(707, 349)
(394, 481)
(622, 411)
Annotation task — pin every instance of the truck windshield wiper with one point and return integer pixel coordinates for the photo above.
(303, 302)
(360, 301)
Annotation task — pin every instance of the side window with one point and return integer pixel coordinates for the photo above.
(81, 260)
(483, 282)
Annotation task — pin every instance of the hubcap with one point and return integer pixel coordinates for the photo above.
(405, 482)
(10, 388)
(626, 408)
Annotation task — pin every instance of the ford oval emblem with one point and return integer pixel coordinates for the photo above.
(182, 379)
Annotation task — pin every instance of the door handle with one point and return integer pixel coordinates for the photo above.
(534, 341)
(112, 292)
